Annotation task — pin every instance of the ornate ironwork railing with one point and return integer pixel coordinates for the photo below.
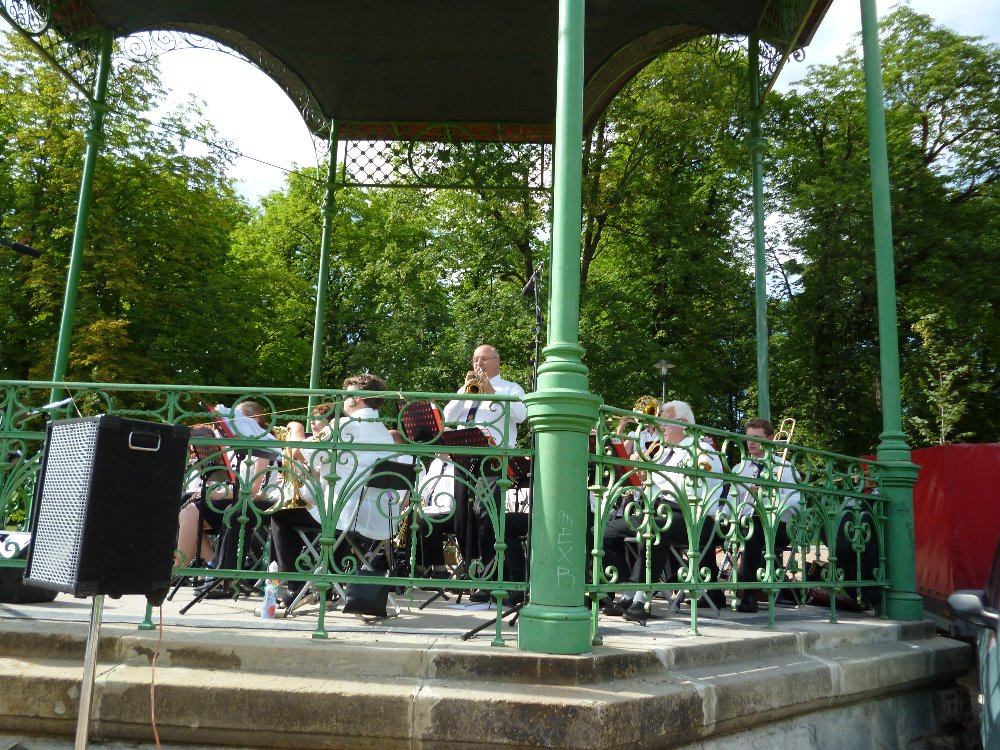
(805, 522)
(244, 473)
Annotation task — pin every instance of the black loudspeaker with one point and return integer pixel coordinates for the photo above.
(104, 517)
(14, 546)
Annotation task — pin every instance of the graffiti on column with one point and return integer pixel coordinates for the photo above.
(564, 570)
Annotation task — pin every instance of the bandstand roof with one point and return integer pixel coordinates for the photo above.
(385, 68)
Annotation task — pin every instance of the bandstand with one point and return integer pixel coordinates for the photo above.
(394, 79)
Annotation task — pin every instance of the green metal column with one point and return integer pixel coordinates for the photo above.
(322, 280)
(94, 138)
(562, 411)
(756, 145)
(903, 603)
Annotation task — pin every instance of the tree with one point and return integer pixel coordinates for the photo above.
(154, 303)
(665, 266)
(942, 117)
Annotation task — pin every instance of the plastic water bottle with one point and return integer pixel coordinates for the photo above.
(270, 605)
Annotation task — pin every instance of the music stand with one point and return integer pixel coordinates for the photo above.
(421, 421)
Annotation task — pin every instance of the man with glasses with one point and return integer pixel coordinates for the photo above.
(499, 420)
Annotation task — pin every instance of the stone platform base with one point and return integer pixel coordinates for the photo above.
(860, 683)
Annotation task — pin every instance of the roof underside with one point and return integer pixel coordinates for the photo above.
(384, 66)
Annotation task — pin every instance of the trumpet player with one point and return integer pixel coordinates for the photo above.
(500, 420)
(761, 463)
(484, 377)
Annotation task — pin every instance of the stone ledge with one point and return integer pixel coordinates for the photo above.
(268, 691)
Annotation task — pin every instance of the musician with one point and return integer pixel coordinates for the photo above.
(248, 421)
(436, 518)
(489, 415)
(500, 420)
(361, 513)
(679, 451)
(749, 504)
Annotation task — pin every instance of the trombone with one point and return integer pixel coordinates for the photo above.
(784, 435)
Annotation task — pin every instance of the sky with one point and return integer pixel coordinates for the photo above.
(251, 112)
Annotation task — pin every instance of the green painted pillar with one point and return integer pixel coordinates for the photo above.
(562, 411)
(900, 474)
(322, 279)
(94, 138)
(756, 145)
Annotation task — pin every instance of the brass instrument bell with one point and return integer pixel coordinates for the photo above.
(474, 386)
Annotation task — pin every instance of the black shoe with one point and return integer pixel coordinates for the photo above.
(480, 596)
(609, 608)
(513, 598)
(636, 613)
(747, 604)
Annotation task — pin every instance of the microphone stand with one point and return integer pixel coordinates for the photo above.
(515, 609)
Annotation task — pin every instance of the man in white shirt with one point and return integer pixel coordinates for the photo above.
(749, 501)
(363, 513)
(500, 421)
(699, 494)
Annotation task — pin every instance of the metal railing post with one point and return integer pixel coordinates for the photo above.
(322, 278)
(94, 138)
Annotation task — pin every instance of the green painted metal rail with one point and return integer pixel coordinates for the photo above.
(829, 505)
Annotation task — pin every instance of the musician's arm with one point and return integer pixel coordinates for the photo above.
(518, 411)
(453, 411)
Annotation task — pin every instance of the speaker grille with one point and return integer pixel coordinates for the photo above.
(58, 536)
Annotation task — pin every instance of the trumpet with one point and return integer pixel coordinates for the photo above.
(476, 385)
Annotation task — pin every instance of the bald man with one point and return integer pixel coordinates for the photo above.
(500, 420)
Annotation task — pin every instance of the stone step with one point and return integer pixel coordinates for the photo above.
(216, 687)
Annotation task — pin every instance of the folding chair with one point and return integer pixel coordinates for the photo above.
(387, 476)
(680, 595)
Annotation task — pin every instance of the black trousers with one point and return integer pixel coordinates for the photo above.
(431, 536)
(857, 565)
(618, 531)
(287, 545)
(752, 557)
(477, 535)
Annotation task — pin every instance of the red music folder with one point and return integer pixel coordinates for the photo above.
(420, 421)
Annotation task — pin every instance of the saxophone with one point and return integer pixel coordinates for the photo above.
(402, 538)
(291, 487)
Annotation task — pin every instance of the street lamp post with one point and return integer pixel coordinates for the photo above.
(663, 366)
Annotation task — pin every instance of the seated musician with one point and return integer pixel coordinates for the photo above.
(768, 465)
(201, 516)
(435, 519)
(475, 529)
(363, 513)
(679, 451)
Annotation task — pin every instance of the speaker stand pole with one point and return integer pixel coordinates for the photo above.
(89, 668)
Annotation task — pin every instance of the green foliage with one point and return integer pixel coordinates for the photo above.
(184, 283)
(666, 272)
(944, 141)
(154, 301)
